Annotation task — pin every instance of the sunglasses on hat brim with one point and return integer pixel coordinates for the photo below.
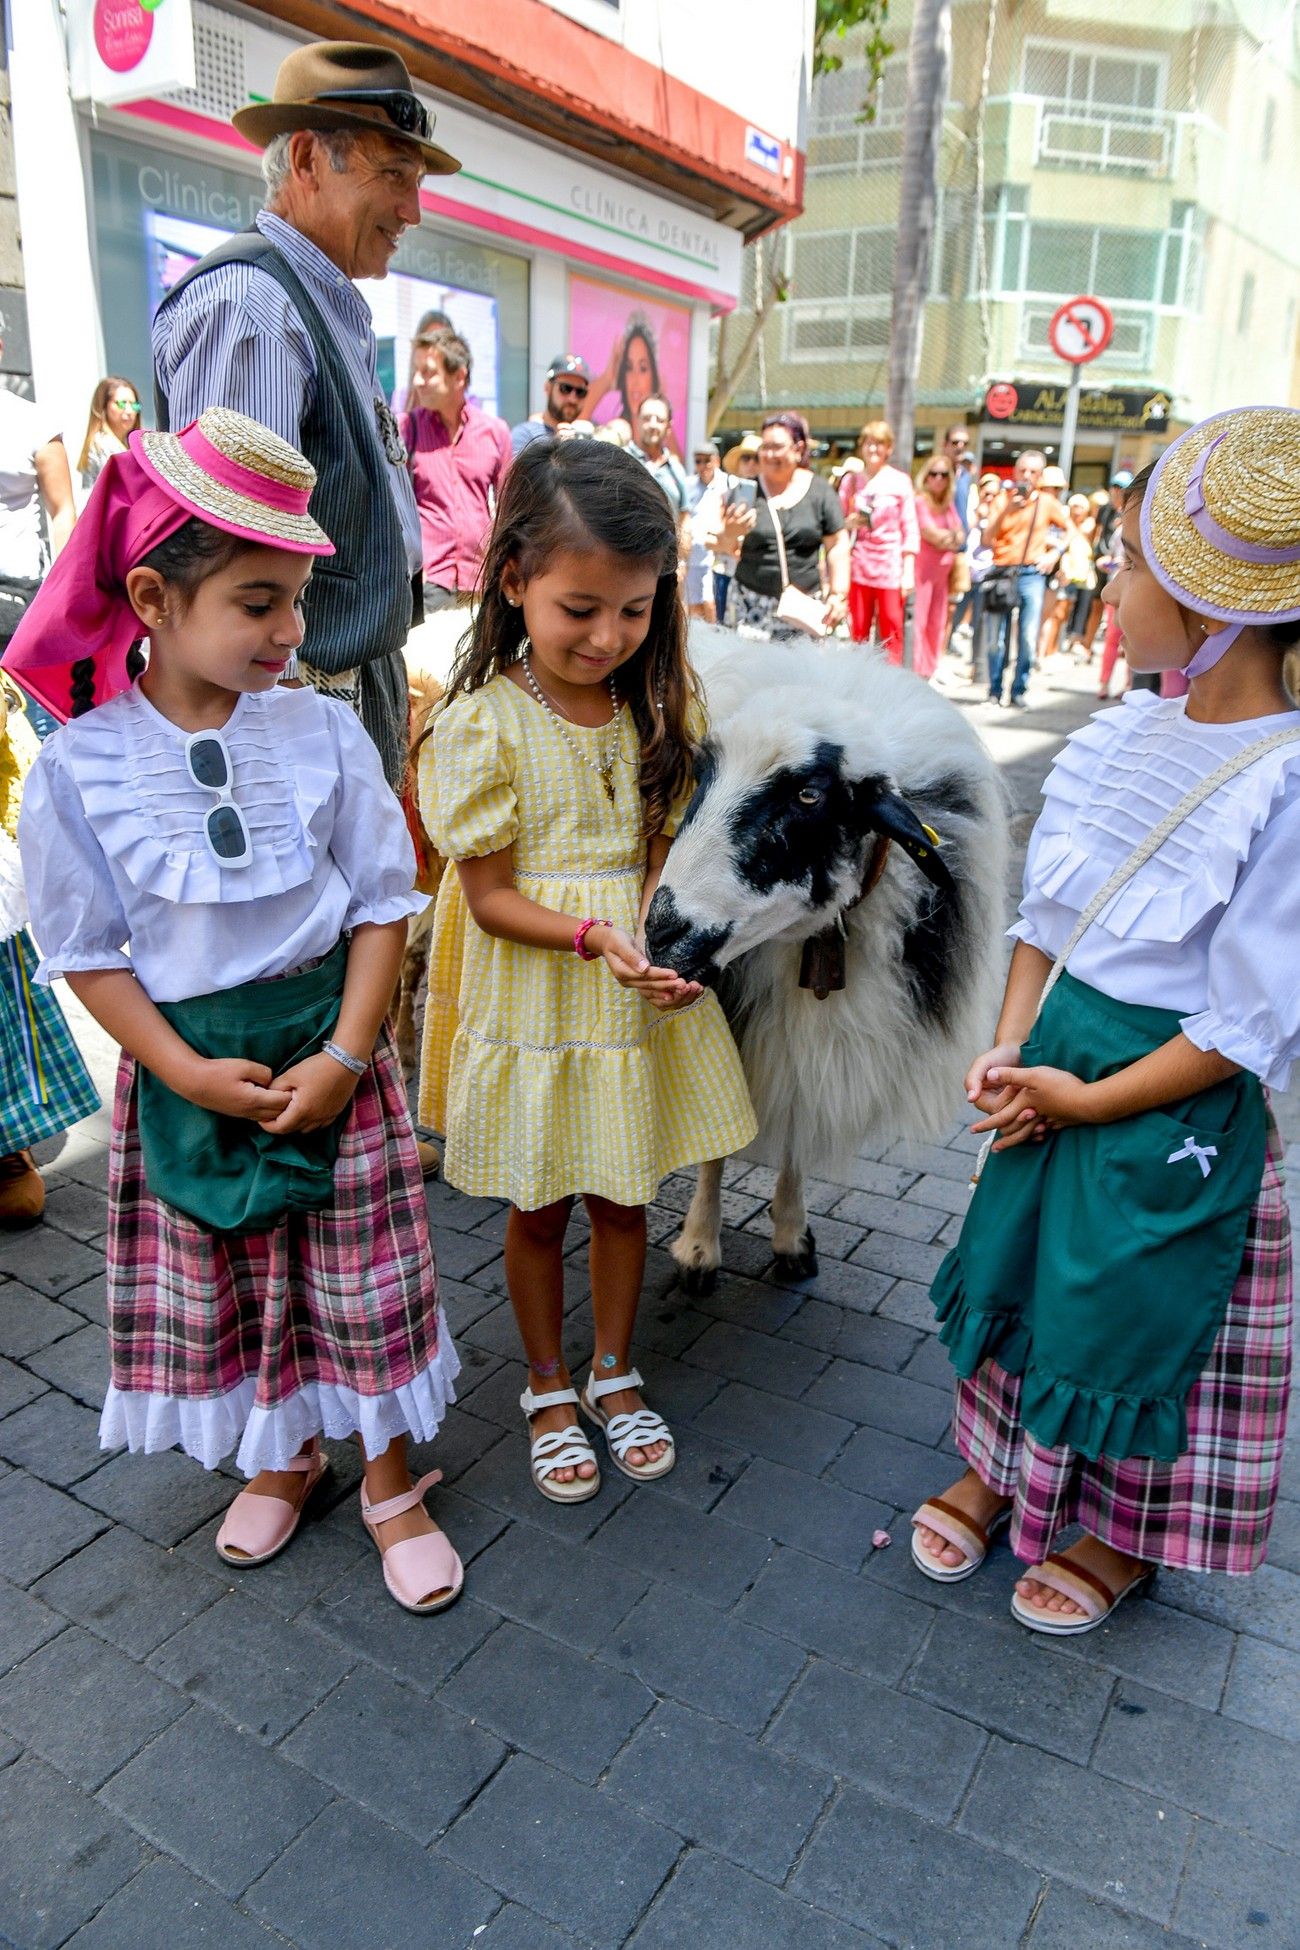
(406, 112)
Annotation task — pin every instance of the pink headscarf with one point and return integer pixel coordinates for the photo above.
(82, 608)
(82, 613)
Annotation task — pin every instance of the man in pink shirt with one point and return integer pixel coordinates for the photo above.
(880, 511)
(458, 457)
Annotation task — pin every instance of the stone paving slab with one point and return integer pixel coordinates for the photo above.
(713, 1712)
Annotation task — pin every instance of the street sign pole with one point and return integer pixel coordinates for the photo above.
(1070, 422)
(1079, 331)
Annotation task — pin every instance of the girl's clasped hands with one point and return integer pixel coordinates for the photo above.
(1024, 1103)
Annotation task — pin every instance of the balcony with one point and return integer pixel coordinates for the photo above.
(1140, 140)
(1167, 150)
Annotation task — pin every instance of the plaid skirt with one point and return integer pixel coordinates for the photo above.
(46, 1086)
(329, 1323)
(1211, 1510)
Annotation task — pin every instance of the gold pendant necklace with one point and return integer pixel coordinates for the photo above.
(603, 765)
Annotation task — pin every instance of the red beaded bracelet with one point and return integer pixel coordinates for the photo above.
(580, 938)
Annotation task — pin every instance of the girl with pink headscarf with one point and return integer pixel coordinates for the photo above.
(219, 871)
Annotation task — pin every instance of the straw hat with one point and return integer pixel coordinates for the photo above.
(350, 85)
(749, 443)
(239, 476)
(1221, 516)
(1053, 477)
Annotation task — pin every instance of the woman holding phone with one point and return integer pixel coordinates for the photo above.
(779, 544)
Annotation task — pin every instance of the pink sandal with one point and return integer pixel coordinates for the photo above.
(415, 1565)
(257, 1528)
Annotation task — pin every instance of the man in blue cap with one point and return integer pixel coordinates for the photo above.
(568, 380)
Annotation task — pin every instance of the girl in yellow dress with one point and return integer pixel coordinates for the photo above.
(557, 1061)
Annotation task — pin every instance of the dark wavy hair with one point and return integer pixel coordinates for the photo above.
(582, 495)
(639, 328)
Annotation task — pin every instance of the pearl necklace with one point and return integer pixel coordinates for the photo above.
(603, 765)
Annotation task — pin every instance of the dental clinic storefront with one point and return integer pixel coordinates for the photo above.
(531, 250)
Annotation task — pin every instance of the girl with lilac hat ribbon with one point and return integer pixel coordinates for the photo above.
(218, 869)
(1119, 1303)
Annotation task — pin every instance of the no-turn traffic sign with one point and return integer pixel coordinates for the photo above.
(1080, 330)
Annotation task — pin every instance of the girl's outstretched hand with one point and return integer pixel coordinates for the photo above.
(318, 1089)
(663, 987)
(235, 1087)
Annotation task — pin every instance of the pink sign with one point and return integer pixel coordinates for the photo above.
(123, 31)
(635, 346)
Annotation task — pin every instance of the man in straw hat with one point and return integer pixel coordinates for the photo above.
(271, 325)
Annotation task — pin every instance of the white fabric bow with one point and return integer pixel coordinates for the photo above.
(1201, 1152)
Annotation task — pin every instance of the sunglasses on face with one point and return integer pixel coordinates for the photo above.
(207, 760)
(937, 474)
(125, 404)
(570, 388)
(405, 112)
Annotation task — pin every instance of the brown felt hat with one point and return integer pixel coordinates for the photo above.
(350, 85)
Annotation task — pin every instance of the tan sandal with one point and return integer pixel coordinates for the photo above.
(1084, 1587)
(959, 1530)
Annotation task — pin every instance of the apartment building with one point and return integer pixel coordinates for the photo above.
(1140, 152)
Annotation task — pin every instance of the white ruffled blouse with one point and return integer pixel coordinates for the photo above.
(1210, 926)
(112, 839)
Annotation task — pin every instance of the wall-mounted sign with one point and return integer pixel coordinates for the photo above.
(123, 50)
(1029, 403)
(763, 150)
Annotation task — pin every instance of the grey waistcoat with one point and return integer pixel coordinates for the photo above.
(359, 608)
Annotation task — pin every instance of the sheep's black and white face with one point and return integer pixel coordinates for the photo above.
(772, 848)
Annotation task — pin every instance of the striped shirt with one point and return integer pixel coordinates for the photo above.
(233, 338)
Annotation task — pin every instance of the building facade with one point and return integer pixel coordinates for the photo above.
(606, 192)
(1134, 152)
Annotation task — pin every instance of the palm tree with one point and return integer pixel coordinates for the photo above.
(928, 62)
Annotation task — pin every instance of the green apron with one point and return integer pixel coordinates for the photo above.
(1098, 1265)
(226, 1172)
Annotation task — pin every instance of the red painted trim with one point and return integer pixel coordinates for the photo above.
(597, 81)
(168, 116)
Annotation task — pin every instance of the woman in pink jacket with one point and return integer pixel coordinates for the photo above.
(942, 535)
(880, 511)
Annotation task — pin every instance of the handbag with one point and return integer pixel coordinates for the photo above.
(1002, 586)
(795, 606)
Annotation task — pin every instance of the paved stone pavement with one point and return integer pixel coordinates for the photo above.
(710, 1713)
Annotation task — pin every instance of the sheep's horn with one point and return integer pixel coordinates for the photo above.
(891, 815)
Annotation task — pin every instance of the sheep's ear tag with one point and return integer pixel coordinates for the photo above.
(931, 835)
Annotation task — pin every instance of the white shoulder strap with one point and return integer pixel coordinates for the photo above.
(1155, 839)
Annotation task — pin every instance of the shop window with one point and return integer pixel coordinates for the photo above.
(157, 211)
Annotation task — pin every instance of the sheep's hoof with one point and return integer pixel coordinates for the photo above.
(800, 1265)
(699, 1280)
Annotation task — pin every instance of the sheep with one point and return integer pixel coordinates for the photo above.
(810, 847)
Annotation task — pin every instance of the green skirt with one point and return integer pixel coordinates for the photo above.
(1098, 1265)
(226, 1173)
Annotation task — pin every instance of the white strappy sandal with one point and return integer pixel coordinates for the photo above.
(560, 1449)
(623, 1432)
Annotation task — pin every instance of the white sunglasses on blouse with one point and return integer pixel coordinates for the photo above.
(207, 760)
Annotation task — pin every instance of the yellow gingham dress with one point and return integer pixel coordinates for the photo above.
(545, 1076)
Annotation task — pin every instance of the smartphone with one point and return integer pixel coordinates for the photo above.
(744, 494)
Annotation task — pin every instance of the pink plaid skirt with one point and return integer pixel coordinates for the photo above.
(1212, 1509)
(328, 1324)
